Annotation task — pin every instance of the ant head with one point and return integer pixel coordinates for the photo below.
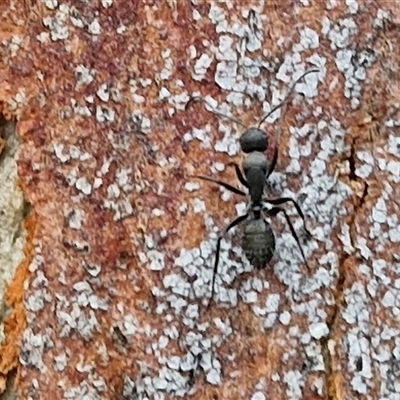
(254, 139)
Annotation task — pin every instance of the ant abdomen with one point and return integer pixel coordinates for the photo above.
(258, 242)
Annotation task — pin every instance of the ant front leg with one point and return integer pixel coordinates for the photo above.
(273, 164)
(274, 211)
(239, 174)
(235, 222)
(221, 183)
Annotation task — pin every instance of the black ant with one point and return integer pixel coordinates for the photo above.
(258, 241)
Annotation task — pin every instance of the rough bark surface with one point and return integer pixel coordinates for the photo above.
(121, 238)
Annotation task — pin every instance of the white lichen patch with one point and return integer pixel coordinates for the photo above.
(33, 348)
(319, 330)
(201, 67)
(83, 185)
(352, 64)
(94, 27)
(58, 25)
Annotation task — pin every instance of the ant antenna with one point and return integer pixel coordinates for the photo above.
(287, 96)
(215, 111)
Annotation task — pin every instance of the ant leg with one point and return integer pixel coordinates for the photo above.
(273, 164)
(225, 185)
(239, 174)
(282, 200)
(275, 211)
(235, 222)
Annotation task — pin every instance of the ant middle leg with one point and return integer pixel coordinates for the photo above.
(235, 222)
(273, 212)
(283, 200)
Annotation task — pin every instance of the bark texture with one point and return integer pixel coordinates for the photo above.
(112, 300)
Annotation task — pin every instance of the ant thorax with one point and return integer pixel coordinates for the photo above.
(255, 168)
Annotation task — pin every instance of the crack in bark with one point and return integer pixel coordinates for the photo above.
(329, 359)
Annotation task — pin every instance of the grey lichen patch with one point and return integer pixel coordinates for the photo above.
(58, 25)
(353, 64)
(73, 317)
(13, 210)
(34, 347)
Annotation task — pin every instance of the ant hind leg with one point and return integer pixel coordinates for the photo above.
(274, 211)
(282, 200)
(235, 222)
